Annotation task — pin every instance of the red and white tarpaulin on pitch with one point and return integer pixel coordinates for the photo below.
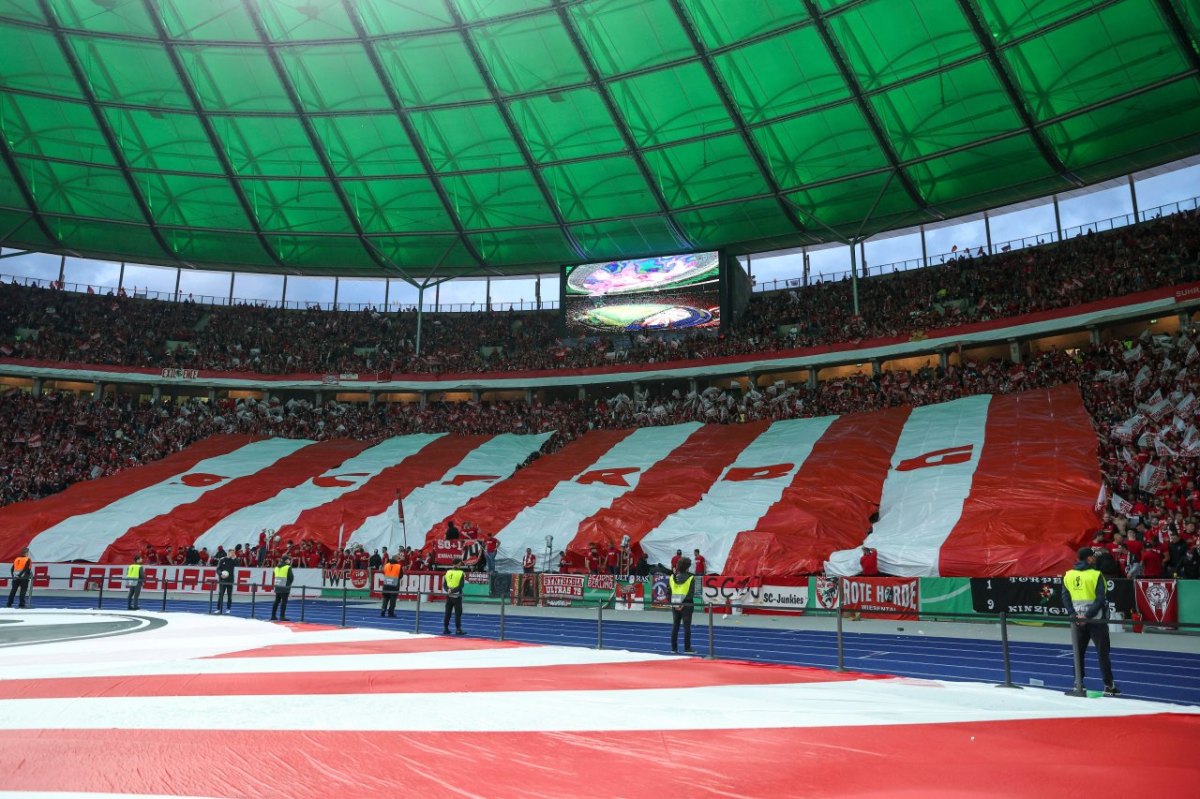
(187, 705)
(982, 486)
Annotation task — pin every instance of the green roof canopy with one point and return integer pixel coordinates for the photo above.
(368, 137)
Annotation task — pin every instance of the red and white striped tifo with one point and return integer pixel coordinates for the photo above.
(1000, 485)
(227, 707)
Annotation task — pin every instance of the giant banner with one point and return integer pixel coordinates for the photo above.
(174, 579)
(871, 597)
(982, 486)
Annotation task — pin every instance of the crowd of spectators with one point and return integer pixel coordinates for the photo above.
(1141, 394)
(48, 325)
(59, 439)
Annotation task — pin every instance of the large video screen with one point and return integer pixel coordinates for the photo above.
(672, 292)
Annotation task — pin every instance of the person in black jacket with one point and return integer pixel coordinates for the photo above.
(683, 590)
(285, 575)
(226, 570)
(20, 572)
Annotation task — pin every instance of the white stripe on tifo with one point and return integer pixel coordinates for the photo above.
(495, 459)
(730, 506)
(85, 537)
(286, 506)
(383, 530)
(504, 658)
(752, 707)
(924, 492)
(565, 507)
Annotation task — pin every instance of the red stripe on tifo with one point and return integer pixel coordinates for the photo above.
(186, 523)
(829, 503)
(19, 523)
(307, 627)
(995, 760)
(675, 482)
(654, 674)
(501, 503)
(389, 646)
(348, 512)
(1032, 500)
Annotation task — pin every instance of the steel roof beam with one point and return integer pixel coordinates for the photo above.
(410, 131)
(856, 90)
(315, 142)
(210, 132)
(564, 16)
(1171, 17)
(735, 116)
(971, 12)
(506, 115)
(89, 96)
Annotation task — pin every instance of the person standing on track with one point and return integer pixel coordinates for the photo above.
(391, 586)
(135, 577)
(1083, 595)
(285, 575)
(683, 589)
(226, 570)
(20, 573)
(454, 579)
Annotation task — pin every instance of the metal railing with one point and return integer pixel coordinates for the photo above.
(1011, 245)
(290, 305)
(247, 599)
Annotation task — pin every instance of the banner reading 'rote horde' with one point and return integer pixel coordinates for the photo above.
(981, 486)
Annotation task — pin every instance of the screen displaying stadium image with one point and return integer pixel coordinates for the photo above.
(671, 292)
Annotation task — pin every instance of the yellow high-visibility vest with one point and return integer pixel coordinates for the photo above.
(134, 571)
(1081, 584)
(680, 592)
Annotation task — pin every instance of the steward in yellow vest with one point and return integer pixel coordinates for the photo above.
(135, 576)
(1083, 595)
(683, 590)
(454, 579)
(284, 576)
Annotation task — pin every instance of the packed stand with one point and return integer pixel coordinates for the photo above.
(59, 439)
(49, 325)
(1142, 396)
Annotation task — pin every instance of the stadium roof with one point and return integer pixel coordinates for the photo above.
(373, 137)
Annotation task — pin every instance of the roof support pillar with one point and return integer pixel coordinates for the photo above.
(62, 269)
(1133, 197)
(178, 277)
(924, 249)
(420, 315)
(387, 291)
(807, 265)
(854, 277)
(1057, 218)
(987, 229)
(232, 275)
(121, 278)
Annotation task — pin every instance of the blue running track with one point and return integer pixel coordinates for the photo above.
(1141, 673)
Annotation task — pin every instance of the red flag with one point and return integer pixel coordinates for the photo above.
(1157, 600)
